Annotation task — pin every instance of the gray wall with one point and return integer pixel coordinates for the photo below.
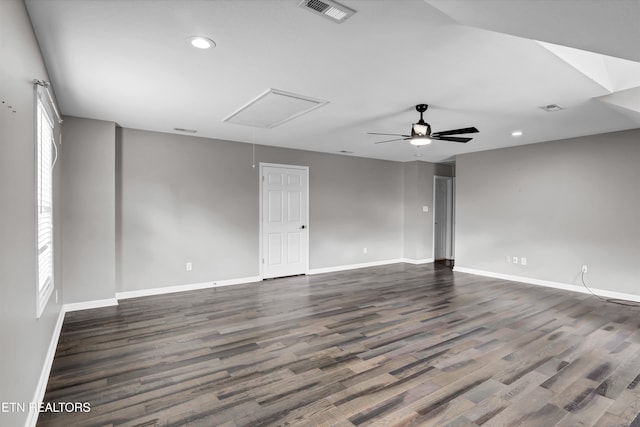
(137, 215)
(88, 209)
(418, 225)
(24, 339)
(418, 192)
(195, 199)
(354, 203)
(560, 204)
(185, 199)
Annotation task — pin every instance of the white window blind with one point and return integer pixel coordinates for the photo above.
(45, 157)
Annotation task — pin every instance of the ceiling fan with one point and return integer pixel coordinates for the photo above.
(421, 132)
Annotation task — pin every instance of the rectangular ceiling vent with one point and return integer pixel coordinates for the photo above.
(328, 9)
(551, 108)
(272, 108)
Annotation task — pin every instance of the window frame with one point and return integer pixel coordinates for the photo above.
(45, 151)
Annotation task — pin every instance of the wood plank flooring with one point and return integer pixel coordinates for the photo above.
(400, 345)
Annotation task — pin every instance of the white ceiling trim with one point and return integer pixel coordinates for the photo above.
(626, 102)
(614, 74)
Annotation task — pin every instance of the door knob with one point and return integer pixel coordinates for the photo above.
(303, 227)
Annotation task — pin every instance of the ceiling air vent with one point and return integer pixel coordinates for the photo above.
(185, 130)
(328, 9)
(272, 108)
(551, 108)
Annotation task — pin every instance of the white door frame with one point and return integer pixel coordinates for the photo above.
(260, 180)
(450, 226)
(453, 218)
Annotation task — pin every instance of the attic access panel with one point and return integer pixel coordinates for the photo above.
(273, 108)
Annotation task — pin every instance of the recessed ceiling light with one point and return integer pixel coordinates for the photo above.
(417, 155)
(516, 133)
(201, 42)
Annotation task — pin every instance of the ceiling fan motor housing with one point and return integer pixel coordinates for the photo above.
(421, 128)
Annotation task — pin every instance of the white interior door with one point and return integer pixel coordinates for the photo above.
(284, 220)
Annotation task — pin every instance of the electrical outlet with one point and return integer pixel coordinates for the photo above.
(515, 259)
(364, 250)
(425, 209)
(507, 259)
(189, 266)
(584, 269)
(523, 261)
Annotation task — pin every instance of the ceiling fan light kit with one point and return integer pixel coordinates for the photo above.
(420, 141)
(421, 132)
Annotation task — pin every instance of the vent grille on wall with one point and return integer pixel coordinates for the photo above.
(328, 9)
(272, 108)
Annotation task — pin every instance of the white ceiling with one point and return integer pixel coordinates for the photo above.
(475, 62)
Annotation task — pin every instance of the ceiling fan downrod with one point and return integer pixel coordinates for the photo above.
(421, 128)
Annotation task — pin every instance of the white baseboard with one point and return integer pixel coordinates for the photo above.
(188, 287)
(556, 285)
(418, 261)
(86, 305)
(367, 264)
(38, 397)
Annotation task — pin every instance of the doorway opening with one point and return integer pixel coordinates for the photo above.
(443, 220)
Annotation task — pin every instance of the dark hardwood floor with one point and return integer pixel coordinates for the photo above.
(400, 345)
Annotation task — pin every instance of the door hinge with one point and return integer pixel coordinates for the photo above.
(262, 178)
(263, 260)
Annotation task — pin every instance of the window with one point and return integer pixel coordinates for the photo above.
(46, 154)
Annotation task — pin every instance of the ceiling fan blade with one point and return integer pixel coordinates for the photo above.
(451, 138)
(390, 140)
(388, 134)
(456, 131)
